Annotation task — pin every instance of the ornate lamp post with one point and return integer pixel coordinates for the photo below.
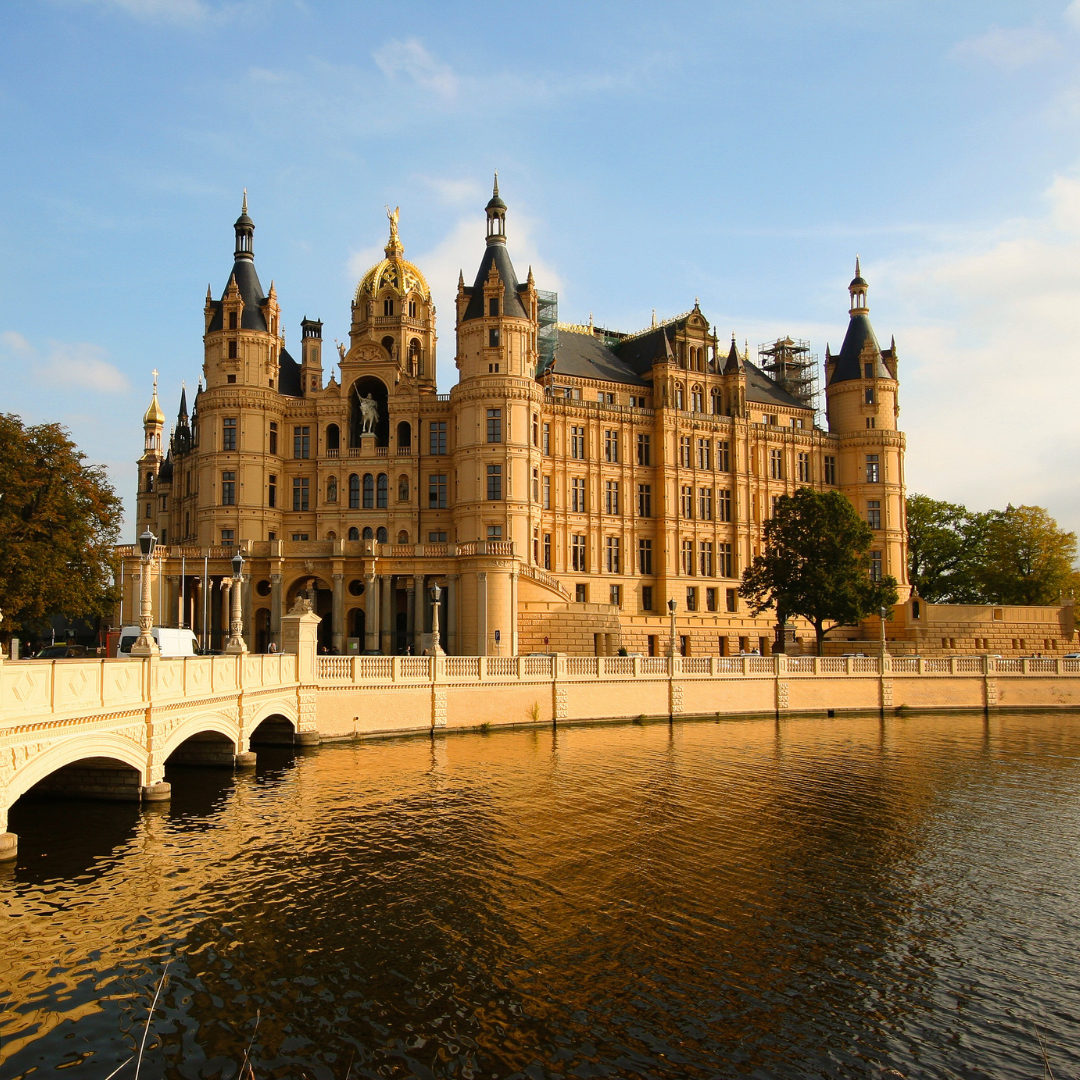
(436, 648)
(884, 611)
(671, 605)
(236, 620)
(145, 645)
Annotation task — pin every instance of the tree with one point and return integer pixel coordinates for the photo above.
(946, 547)
(1028, 559)
(816, 564)
(59, 524)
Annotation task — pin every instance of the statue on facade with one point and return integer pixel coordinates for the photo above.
(369, 415)
(331, 490)
(340, 349)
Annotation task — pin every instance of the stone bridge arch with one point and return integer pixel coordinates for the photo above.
(211, 738)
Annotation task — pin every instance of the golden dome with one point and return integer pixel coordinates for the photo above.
(394, 272)
(154, 415)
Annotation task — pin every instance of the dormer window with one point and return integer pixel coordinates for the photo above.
(232, 320)
(868, 371)
(493, 306)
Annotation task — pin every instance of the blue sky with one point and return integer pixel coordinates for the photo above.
(650, 154)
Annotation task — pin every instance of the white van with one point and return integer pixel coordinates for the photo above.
(170, 641)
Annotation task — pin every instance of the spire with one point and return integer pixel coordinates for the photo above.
(734, 364)
(182, 415)
(245, 231)
(857, 289)
(496, 216)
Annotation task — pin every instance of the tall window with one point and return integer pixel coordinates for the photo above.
(412, 309)
(732, 597)
(437, 437)
(369, 491)
(611, 553)
(300, 492)
(643, 448)
(644, 500)
(691, 605)
(577, 553)
(354, 492)
(724, 564)
(873, 469)
(875, 565)
(228, 489)
(493, 338)
(804, 468)
(547, 551)
(382, 491)
(687, 557)
(228, 433)
(830, 469)
(301, 443)
(723, 456)
(684, 451)
(717, 403)
(611, 446)
(776, 464)
(616, 595)
(536, 430)
(705, 563)
(577, 443)
(494, 425)
(273, 436)
(678, 396)
(494, 482)
(577, 495)
(271, 493)
(611, 497)
(493, 306)
(697, 399)
(536, 485)
(704, 454)
(644, 556)
(873, 513)
(547, 493)
(705, 504)
(723, 505)
(869, 395)
(388, 308)
(646, 598)
(437, 491)
(546, 441)
(687, 502)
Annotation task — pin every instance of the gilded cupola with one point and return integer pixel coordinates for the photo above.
(394, 274)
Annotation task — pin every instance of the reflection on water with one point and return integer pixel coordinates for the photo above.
(811, 898)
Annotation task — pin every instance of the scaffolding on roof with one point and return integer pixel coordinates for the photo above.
(547, 335)
(794, 367)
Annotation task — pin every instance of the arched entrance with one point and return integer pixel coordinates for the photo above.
(357, 627)
(323, 605)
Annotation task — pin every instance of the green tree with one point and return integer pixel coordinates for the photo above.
(816, 564)
(1028, 559)
(946, 550)
(59, 524)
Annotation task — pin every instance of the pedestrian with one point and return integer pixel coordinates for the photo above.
(272, 647)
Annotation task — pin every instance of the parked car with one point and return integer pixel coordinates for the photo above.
(171, 641)
(1071, 656)
(61, 652)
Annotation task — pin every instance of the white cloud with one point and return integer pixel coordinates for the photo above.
(455, 192)
(1072, 14)
(65, 366)
(1008, 48)
(175, 11)
(990, 360)
(411, 59)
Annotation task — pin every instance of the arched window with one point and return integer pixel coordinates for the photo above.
(380, 536)
(331, 535)
(354, 533)
(697, 399)
(384, 491)
(403, 537)
(368, 534)
(354, 492)
(678, 396)
(149, 481)
(369, 491)
(333, 439)
(717, 403)
(404, 433)
(403, 488)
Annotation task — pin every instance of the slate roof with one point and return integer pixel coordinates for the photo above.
(511, 305)
(251, 292)
(585, 357)
(765, 391)
(640, 352)
(849, 360)
(289, 381)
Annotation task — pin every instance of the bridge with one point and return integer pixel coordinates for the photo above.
(105, 729)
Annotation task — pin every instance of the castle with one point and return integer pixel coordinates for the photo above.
(573, 482)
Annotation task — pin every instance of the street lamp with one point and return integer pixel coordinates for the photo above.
(236, 619)
(145, 645)
(883, 612)
(671, 605)
(436, 648)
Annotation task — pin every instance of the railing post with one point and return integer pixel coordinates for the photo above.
(952, 665)
(847, 665)
(1023, 665)
(637, 667)
(746, 665)
(520, 667)
(817, 665)
(395, 668)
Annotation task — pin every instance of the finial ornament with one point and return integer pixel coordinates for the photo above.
(155, 374)
(495, 190)
(858, 272)
(243, 209)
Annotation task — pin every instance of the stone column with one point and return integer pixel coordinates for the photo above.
(513, 628)
(371, 613)
(410, 611)
(449, 616)
(337, 637)
(275, 608)
(226, 589)
(419, 615)
(247, 595)
(386, 615)
(481, 614)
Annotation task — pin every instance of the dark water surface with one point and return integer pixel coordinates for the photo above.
(841, 898)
